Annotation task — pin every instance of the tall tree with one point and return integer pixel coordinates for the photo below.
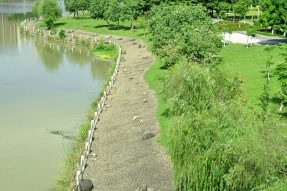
(98, 9)
(281, 72)
(115, 11)
(50, 11)
(274, 15)
(241, 8)
(183, 32)
(75, 6)
(132, 9)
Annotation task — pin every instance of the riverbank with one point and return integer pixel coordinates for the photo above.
(135, 112)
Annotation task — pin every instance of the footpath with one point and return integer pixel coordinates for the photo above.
(125, 154)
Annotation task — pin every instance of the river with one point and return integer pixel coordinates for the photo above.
(43, 88)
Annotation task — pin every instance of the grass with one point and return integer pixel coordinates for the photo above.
(99, 26)
(106, 51)
(249, 64)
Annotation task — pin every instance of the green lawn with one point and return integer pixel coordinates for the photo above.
(99, 26)
(249, 64)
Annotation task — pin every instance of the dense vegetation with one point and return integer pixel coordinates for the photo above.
(215, 140)
(48, 10)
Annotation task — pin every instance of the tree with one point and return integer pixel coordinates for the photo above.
(132, 9)
(115, 11)
(50, 11)
(36, 8)
(98, 9)
(75, 6)
(183, 32)
(218, 6)
(274, 15)
(241, 8)
(142, 23)
(281, 72)
(250, 33)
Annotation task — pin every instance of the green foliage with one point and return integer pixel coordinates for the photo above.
(274, 15)
(241, 7)
(132, 9)
(75, 6)
(281, 73)
(115, 11)
(183, 32)
(49, 10)
(212, 136)
(265, 99)
(36, 8)
(62, 34)
(106, 51)
(98, 8)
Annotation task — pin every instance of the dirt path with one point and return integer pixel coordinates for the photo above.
(120, 159)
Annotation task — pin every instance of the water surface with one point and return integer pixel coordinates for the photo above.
(44, 87)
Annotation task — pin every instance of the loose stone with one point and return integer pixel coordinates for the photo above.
(142, 188)
(86, 185)
(148, 135)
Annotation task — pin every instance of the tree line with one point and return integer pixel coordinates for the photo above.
(273, 13)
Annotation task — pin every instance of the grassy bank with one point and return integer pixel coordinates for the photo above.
(105, 51)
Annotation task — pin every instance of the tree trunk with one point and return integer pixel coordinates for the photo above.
(107, 23)
(268, 76)
(281, 107)
(224, 39)
(132, 24)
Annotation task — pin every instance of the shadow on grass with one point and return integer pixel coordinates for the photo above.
(58, 24)
(114, 27)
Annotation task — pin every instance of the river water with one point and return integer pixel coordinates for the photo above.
(43, 87)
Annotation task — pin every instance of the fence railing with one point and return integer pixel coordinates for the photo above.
(85, 154)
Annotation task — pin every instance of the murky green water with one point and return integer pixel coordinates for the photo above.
(43, 87)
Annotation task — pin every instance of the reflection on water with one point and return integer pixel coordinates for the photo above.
(43, 87)
(51, 55)
(8, 32)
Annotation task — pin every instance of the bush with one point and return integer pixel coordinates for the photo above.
(62, 34)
